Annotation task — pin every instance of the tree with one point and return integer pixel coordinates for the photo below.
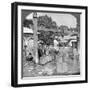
(27, 23)
(63, 29)
(44, 21)
(47, 22)
(46, 37)
(54, 25)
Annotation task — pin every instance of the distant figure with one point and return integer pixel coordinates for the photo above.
(56, 45)
(30, 57)
(40, 53)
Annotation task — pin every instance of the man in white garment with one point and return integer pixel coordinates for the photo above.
(56, 44)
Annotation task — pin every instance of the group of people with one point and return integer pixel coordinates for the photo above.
(46, 50)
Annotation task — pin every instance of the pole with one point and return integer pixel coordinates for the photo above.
(35, 37)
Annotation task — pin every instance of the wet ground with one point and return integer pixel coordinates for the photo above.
(63, 64)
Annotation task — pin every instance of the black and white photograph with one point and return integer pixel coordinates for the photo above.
(51, 44)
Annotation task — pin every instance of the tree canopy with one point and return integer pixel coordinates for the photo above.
(47, 22)
(27, 23)
(46, 37)
(44, 21)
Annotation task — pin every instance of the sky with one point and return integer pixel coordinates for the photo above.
(60, 18)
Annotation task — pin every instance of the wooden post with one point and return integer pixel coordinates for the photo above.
(35, 37)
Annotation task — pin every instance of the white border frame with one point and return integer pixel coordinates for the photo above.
(82, 48)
